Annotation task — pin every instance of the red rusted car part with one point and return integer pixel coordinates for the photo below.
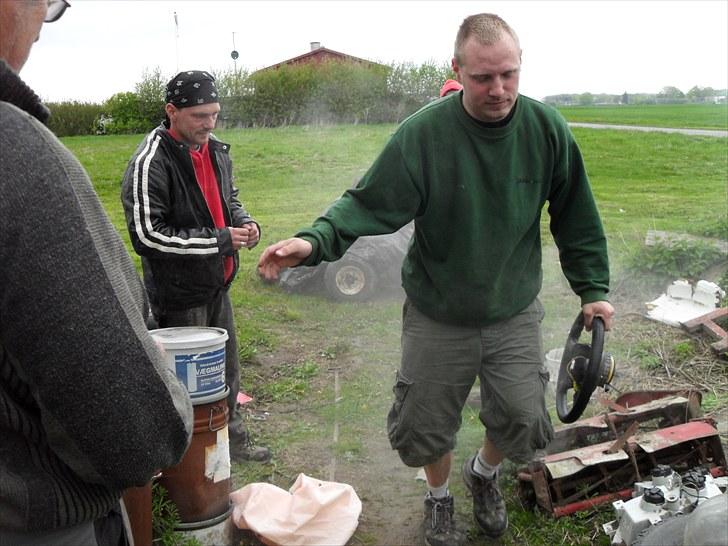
(598, 459)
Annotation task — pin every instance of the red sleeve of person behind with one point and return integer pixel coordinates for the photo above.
(450, 86)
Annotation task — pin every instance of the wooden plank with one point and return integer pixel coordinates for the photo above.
(696, 323)
(706, 323)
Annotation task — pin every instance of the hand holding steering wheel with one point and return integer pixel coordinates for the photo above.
(583, 368)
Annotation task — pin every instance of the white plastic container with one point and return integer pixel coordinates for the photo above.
(553, 363)
(196, 354)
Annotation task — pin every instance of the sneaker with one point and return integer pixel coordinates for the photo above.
(242, 449)
(489, 509)
(440, 522)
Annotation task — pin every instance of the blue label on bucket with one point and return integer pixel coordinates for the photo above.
(202, 373)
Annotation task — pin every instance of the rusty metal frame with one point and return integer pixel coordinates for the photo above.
(598, 459)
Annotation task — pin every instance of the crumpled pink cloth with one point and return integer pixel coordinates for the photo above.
(311, 513)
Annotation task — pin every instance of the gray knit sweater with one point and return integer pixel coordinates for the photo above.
(87, 405)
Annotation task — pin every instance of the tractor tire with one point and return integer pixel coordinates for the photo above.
(350, 279)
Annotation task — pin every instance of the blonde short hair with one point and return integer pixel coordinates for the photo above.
(486, 28)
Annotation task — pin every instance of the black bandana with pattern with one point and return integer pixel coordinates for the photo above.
(192, 88)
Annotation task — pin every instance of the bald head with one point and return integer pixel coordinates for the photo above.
(21, 24)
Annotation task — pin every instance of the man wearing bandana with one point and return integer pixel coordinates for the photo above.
(187, 224)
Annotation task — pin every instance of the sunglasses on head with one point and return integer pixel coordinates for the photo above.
(56, 8)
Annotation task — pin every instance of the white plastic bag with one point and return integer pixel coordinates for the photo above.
(311, 513)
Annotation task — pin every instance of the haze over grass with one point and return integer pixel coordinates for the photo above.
(287, 176)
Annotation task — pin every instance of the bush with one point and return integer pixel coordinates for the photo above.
(123, 115)
(331, 92)
(151, 94)
(410, 87)
(135, 112)
(679, 259)
(73, 118)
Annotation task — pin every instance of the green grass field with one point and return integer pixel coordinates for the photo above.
(694, 116)
(288, 175)
(291, 343)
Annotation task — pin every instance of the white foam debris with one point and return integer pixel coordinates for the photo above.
(682, 302)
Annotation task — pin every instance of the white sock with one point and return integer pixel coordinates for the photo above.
(439, 492)
(484, 469)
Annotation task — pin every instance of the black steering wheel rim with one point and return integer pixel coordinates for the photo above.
(590, 379)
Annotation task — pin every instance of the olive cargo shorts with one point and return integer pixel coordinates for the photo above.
(439, 365)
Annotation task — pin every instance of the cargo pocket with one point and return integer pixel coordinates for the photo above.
(544, 431)
(397, 428)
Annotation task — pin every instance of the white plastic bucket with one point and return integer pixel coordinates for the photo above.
(196, 354)
(553, 363)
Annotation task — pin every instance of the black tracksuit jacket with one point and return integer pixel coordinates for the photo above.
(170, 224)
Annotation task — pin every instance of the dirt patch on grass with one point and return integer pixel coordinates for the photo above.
(336, 431)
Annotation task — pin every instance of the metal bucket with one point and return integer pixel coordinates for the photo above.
(196, 354)
(200, 484)
(217, 531)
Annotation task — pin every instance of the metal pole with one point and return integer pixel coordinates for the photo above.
(235, 61)
(176, 39)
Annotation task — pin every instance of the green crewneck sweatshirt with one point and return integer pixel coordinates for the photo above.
(476, 194)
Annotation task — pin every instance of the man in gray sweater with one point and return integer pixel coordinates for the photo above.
(88, 406)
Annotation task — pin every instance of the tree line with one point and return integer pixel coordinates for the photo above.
(668, 95)
(327, 93)
(304, 94)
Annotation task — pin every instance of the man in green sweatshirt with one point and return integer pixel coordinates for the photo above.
(474, 170)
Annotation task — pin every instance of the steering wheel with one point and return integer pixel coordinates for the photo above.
(583, 368)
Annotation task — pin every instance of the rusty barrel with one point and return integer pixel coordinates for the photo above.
(138, 504)
(200, 484)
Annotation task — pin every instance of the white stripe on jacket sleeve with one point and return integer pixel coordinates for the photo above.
(146, 233)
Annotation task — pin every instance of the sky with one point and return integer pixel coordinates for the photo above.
(102, 47)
